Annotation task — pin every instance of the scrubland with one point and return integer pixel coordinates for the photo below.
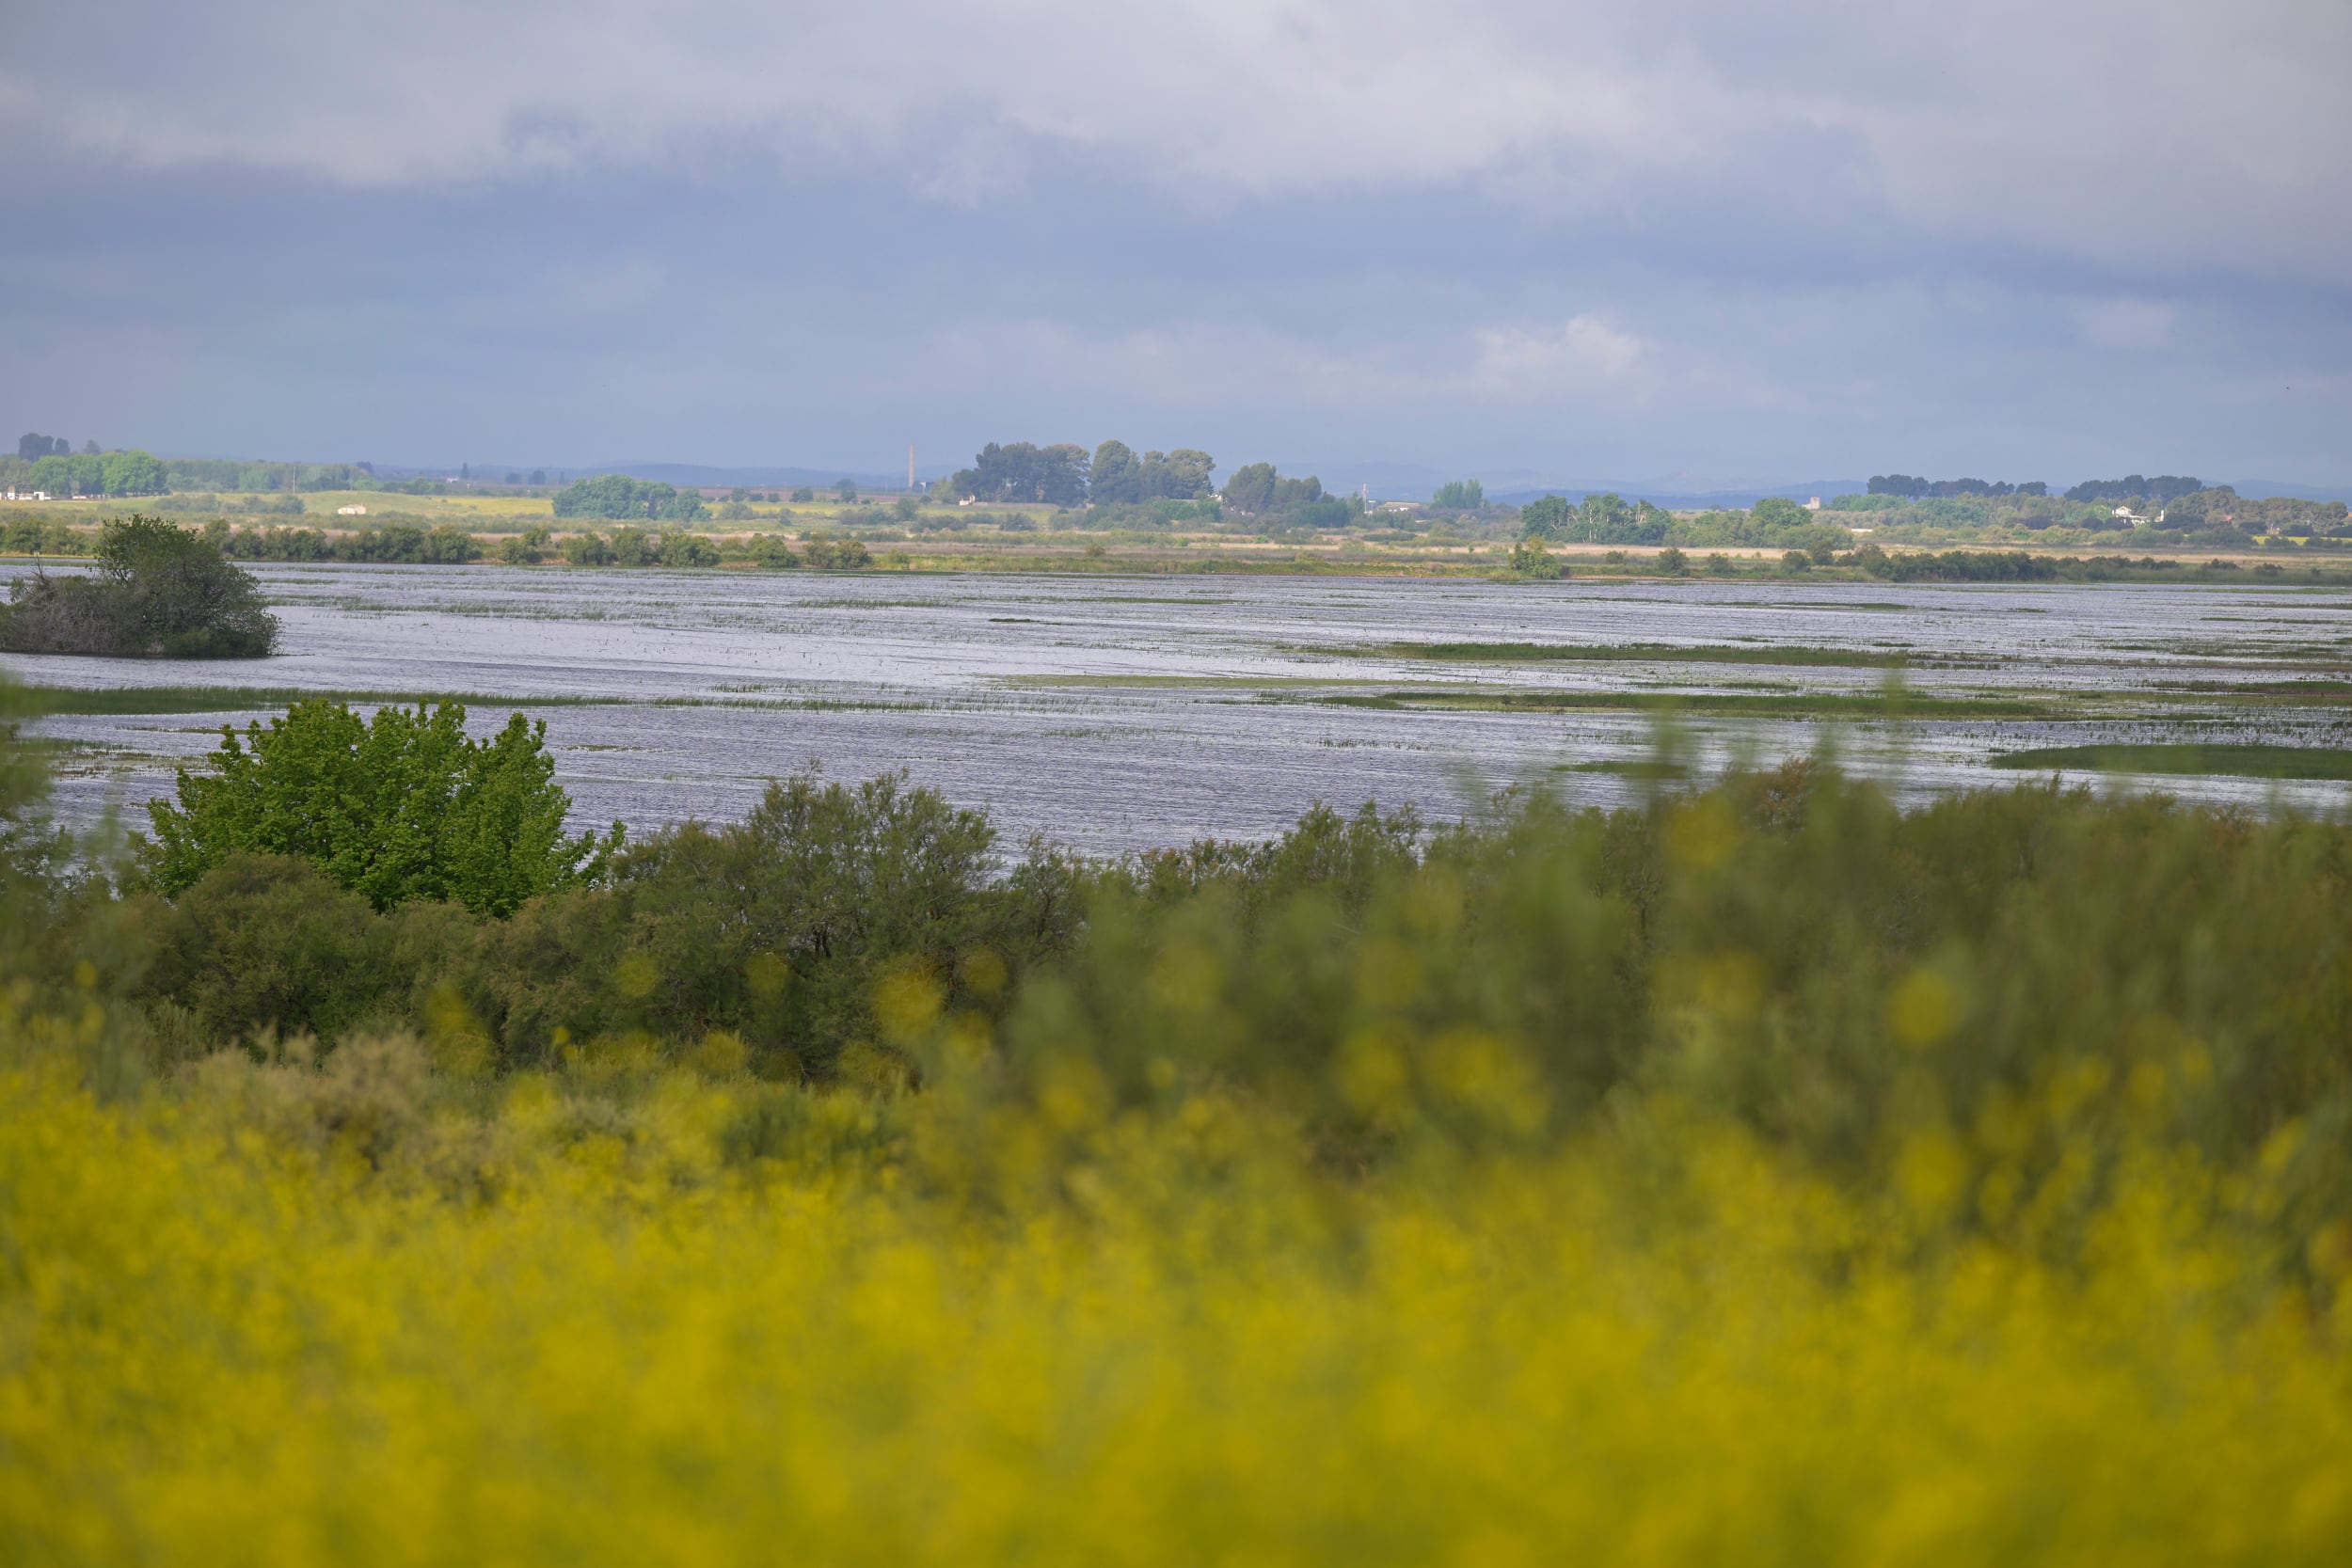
(1761, 1175)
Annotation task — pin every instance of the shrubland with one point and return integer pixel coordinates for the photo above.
(1764, 1173)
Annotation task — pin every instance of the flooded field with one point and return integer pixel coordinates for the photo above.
(1114, 712)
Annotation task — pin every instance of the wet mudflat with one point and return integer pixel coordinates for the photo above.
(1123, 712)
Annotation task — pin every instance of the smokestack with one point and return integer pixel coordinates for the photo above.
(909, 465)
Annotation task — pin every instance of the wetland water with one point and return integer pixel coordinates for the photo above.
(1125, 712)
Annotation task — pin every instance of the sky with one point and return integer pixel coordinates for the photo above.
(1689, 242)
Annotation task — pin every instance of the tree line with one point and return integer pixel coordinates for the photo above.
(1064, 474)
(1912, 487)
(617, 497)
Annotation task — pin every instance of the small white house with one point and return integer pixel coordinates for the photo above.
(354, 511)
(1814, 505)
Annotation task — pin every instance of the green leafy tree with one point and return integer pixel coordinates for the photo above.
(1181, 475)
(131, 473)
(1459, 495)
(846, 489)
(619, 497)
(1115, 475)
(402, 807)
(1249, 489)
(1545, 517)
(1023, 471)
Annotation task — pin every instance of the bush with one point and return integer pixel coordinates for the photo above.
(405, 806)
(688, 550)
(1529, 559)
(836, 555)
(779, 929)
(160, 591)
(263, 943)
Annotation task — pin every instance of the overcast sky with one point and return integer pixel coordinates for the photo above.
(1705, 243)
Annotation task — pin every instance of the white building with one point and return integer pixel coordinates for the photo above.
(351, 512)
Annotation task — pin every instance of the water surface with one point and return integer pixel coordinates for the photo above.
(1124, 712)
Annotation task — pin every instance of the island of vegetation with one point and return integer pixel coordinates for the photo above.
(157, 591)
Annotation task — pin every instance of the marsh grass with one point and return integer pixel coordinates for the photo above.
(1791, 705)
(2247, 761)
(131, 700)
(1778, 653)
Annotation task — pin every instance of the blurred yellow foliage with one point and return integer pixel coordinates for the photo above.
(277, 1316)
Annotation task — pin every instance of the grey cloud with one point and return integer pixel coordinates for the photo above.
(2174, 133)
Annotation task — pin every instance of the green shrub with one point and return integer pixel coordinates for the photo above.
(403, 806)
(778, 929)
(267, 943)
(837, 555)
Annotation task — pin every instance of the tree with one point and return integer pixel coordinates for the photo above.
(1545, 517)
(464, 471)
(1056, 475)
(847, 490)
(1249, 489)
(1459, 495)
(158, 590)
(400, 807)
(539, 476)
(1778, 512)
(90, 448)
(131, 473)
(617, 497)
(1115, 475)
(803, 494)
(33, 447)
(1181, 475)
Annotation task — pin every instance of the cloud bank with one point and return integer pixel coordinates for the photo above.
(1819, 228)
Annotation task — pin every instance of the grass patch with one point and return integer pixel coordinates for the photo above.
(2250, 761)
(1865, 659)
(1793, 705)
(39, 701)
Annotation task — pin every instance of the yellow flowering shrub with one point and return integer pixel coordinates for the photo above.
(366, 1313)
